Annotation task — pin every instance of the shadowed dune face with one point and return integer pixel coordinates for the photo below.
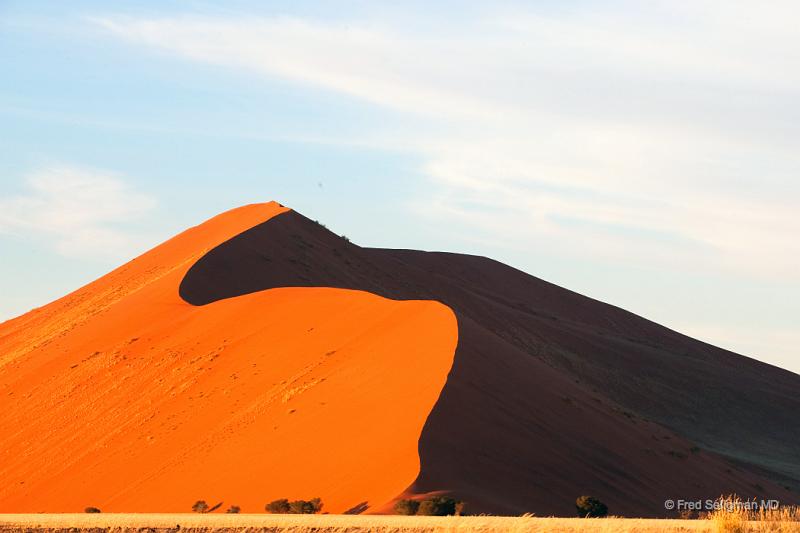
(125, 397)
(551, 394)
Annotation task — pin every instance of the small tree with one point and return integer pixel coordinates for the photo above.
(406, 507)
(233, 509)
(312, 506)
(590, 507)
(200, 506)
(439, 506)
(316, 504)
(460, 508)
(92, 510)
(280, 506)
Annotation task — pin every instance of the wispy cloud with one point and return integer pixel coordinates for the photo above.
(78, 211)
(665, 134)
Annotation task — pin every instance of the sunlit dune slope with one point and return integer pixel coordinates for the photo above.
(125, 397)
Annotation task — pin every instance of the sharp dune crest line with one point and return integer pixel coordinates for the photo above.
(123, 396)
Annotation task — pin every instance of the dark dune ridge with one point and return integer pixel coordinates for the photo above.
(552, 394)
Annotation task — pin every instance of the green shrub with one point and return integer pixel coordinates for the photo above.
(280, 506)
(439, 506)
(406, 507)
(92, 510)
(590, 507)
(200, 506)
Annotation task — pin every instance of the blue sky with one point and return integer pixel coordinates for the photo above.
(646, 156)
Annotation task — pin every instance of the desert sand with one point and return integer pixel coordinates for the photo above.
(125, 397)
(259, 356)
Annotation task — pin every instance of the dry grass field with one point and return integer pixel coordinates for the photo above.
(119, 523)
(723, 522)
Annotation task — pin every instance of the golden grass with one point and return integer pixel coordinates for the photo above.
(731, 517)
(735, 516)
(243, 523)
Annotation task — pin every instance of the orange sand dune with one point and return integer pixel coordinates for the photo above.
(260, 356)
(125, 397)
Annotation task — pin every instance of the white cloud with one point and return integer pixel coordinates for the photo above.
(362, 62)
(80, 212)
(665, 133)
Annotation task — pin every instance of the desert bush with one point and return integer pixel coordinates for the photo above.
(92, 510)
(590, 507)
(284, 506)
(280, 506)
(406, 507)
(439, 506)
(233, 509)
(200, 506)
(316, 504)
(311, 506)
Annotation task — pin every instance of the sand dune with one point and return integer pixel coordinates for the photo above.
(259, 355)
(552, 394)
(129, 398)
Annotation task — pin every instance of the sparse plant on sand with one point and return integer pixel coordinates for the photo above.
(439, 506)
(590, 507)
(284, 506)
(92, 510)
(200, 506)
(406, 507)
(279, 506)
(312, 506)
(233, 509)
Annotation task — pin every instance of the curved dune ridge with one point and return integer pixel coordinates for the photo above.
(125, 397)
(259, 356)
(551, 394)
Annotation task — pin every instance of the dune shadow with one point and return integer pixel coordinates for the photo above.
(358, 509)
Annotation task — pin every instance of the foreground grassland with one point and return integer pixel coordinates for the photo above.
(243, 523)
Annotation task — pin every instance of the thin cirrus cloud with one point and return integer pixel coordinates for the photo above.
(79, 212)
(658, 135)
